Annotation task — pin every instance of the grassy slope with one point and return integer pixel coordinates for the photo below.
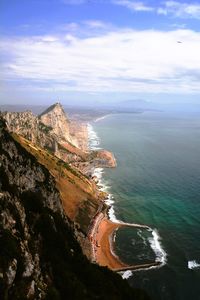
(79, 196)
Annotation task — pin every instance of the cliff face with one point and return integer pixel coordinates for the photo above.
(29, 126)
(79, 130)
(55, 118)
(24, 123)
(70, 166)
(50, 130)
(39, 255)
(53, 131)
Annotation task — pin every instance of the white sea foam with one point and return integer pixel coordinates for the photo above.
(93, 138)
(110, 198)
(98, 173)
(111, 214)
(139, 233)
(101, 118)
(94, 142)
(127, 274)
(193, 264)
(155, 243)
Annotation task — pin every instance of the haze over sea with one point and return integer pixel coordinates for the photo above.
(157, 183)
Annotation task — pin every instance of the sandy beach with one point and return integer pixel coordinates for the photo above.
(101, 237)
(103, 243)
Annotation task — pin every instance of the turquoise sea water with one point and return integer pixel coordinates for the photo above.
(157, 183)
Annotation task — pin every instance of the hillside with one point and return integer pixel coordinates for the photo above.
(80, 196)
(51, 138)
(40, 257)
(53, 131)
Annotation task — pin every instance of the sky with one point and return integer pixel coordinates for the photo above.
(99, 51)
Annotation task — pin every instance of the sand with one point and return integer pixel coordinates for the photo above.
(102, 243)
(101, 237)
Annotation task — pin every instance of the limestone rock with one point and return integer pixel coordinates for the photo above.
(40, 257)
(55, 118)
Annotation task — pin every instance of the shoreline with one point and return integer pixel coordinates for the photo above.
(102, 243)
(102, 118)
(103, 229)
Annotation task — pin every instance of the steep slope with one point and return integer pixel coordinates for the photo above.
(50, 130)
(80, 196)
(53, 131)
(39, 255)
(55, 118)
(29, 126)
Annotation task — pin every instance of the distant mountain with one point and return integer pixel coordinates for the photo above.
(36, 109)
(135, 105)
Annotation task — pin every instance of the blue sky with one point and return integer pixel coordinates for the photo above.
(99, 51)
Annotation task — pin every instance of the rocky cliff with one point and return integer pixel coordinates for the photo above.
(53, 131)
(54, 117)
(46, 138)
(50, 130)
(39, 255)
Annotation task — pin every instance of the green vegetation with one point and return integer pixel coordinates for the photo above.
(86, 210)
(72, 170)
(46, 129)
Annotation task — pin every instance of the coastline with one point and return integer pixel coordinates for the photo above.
(102, 243)
(102, 118)
(103, 229)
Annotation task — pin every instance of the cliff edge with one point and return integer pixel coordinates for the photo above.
(39, 254)
(53, 131)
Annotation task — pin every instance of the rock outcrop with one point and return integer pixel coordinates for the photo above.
(79, 130)
(39, 254)
(67, 140)
(24, 123)
(55, 118)
(104, 158)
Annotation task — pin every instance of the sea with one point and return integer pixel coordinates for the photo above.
(156, 183)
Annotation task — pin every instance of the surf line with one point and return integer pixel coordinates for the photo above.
(104, 225)
(103, 242)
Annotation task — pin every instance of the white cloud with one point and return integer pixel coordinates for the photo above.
(95, 24)
(133, 5)
(173, 8)
(180, 9)
(119, 61)
(48, 38)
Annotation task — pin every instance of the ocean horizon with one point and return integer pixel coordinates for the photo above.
(156, 183)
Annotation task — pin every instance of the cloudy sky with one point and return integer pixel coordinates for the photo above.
(99, 50)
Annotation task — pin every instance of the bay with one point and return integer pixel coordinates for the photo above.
(157, 183)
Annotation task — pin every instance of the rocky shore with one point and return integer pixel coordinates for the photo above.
(40, 257)
(72, 164)
(102, 230)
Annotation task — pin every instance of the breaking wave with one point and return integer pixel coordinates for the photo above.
(93, 138)
(193, 264)
(127, 274)
(156, 246)
(155, 240)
